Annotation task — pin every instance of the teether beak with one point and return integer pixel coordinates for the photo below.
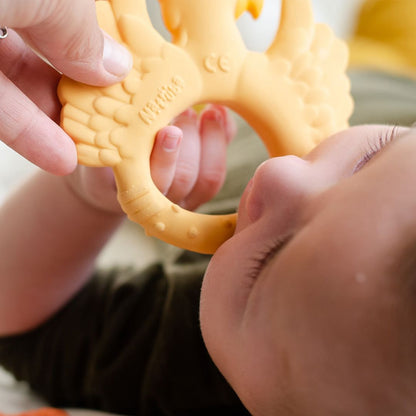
(254, 7)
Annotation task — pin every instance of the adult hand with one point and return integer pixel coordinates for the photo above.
(65, 33)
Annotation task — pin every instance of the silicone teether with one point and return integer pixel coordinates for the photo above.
(294, 95)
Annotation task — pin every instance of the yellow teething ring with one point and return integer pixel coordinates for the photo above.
(294, 95)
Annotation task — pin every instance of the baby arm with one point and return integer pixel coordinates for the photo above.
(53, 227)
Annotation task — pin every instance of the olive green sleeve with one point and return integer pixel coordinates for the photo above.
(128, 343)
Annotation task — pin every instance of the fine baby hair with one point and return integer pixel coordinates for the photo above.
(294, 95)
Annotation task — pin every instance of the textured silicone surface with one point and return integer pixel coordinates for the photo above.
(294, 95)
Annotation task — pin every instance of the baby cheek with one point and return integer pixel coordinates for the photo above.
(354, 345)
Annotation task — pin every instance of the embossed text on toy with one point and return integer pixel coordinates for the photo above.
(165, 94)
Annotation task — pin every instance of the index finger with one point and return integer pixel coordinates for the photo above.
(26, 129)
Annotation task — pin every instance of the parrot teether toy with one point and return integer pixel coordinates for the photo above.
(294, 95)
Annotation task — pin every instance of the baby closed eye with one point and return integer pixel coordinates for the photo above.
(263, 257)
(374, 146)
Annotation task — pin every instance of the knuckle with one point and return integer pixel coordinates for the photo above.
(13, 63)
(37, 13)
(185, 174)
(47, 17)
(22, 133)
(211, 180)
(79, 48)
(17, 126)
(184, 181)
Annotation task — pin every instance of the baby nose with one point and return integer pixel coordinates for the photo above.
(278, 185)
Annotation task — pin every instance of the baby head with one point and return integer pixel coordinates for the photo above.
(309, 309)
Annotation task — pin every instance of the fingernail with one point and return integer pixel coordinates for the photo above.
(213, 115)
(117, 60)
(170, 142)
(189, 113)
(209, 117)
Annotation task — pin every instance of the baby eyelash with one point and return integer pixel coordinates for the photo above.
(375, 146)
(262, 258)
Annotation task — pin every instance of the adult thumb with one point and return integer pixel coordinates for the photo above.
(67, 34)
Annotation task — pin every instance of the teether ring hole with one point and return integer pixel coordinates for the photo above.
(258, 34)
(245, 151)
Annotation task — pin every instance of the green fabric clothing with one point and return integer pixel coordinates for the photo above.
(128, 343)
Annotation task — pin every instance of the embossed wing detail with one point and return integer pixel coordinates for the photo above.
(95, 120)
(98, 118)
(300, 84)
(294, 95)
(318, 61)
